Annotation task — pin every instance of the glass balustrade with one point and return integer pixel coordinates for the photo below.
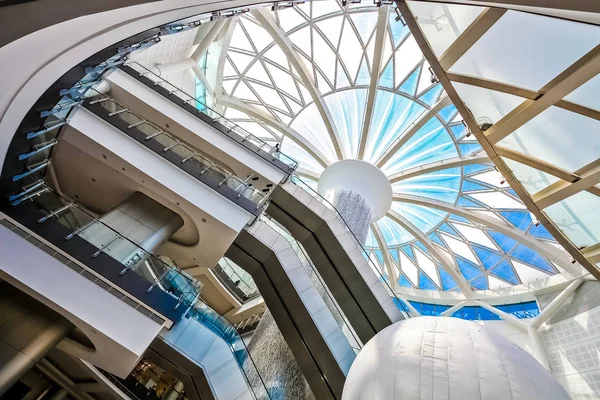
(186, 157)
(236, 278)
(319, 284)
(384, 279)
(228, 332)
(135, 259)
(245, 138)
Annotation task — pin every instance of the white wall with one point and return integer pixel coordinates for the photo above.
(162, 171)
(573, 348)
(119, 333)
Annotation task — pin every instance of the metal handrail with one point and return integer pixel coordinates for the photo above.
(233, 127)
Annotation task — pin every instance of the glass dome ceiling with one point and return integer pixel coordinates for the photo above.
(303, 76)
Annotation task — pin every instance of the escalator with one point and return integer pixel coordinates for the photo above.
(362, 292)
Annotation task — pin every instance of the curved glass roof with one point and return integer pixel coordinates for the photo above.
(303, 76)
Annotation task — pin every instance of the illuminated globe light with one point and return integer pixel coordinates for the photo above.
(446, 358)
(359, 191)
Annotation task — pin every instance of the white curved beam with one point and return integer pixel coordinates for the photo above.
(438, 166)
(208, 40)
(460, 280)
(237, 104)
(265, 18)
(414, 128)
(381, 31)
(386, 255)
(547, 250)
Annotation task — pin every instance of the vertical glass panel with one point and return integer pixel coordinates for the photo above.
(532, 179)
(347, 110)
(587, 94)
(560, 137)
(527, 50)
(487, 106)
(578, 218)
(443, 23)
(312, 127)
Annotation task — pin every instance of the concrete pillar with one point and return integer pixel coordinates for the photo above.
(60, 395)
(24, 360)
(174, 393)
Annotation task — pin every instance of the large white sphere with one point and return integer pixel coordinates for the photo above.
(446, 358)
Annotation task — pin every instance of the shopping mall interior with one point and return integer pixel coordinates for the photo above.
(319, 199)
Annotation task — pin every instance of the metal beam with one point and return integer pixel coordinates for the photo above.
(380, 33)
(547, 250)
(536, 164)
(208, 40)
(237, 104)
(440, 73)
(470, 36)
(573, 77)
(307, 173)
(267, 21)
(412, 129)
(438, 166)
(560, 190)
(555, 303)
(520, 92)
(386, 256)
(460, 280)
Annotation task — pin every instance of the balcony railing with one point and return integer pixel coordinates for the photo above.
(238, 281)
(209, 115)
(180, 154)
(98, 246)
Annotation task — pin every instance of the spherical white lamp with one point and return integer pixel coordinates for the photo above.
(446, 358)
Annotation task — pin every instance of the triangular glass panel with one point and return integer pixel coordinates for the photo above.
(341, 79)
(448, 282)
(239, 40)
(458, 130)
(448, 229)
(525, 254)
(257, 72)
(470, 186)
(242, 91)
(410, 84)
(465, 202)
(506, 243)
(460, 219)
(322, 83)
(448, 112)
(520, 219)
(468, 148)
(331, 28)
(431, 96)
(394, 254)
(425, 283)
(379, 256)
(387, 77)
(399, 31)
(433, 236)
(504, 270)
(402, 281)
(365, 24)
(409, 252)
(277, 55)
(488, 258)
(467, 268)
(422, 247)
(541, 232)
(472, 169)
(364, 78)
(300, 39)
(480, 283)
(258, 35)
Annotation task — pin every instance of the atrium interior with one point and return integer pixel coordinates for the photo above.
(320, 199)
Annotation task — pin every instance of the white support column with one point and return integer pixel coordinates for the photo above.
(208, 40)
(412, 310)
(505, 316)
(556, 303)
(174, 66)
(537, 346)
